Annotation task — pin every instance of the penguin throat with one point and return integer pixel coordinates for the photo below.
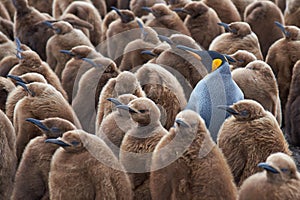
(216, 63)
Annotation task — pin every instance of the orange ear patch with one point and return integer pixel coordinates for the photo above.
(216, 63)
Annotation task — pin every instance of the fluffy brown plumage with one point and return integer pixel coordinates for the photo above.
(125, 83)
(8, 158)
(66, 37)
(225, 9)
(241, 6)
(161, 86)
(43, 101)
(42, 6)
(291, 113)
(202, 23)
(31, 62)
(100, 176)
(166, 22)
(249, 137)
(31, 181)
(7, 63)
(187, 164)
(6, 86)
(280, 180)
(7, 47)
(139, 142)
(29, 27)
(89, 88)
(258, 83)
(136, 6)
(242, 58)
(261, 16)
(239, 37)
(282, 56)
(292, 13)
(114, 126)
(7, 27)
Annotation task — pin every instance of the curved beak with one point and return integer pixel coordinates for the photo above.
(148, 52)
(67, 52)
(227, 28)
(38, 123)
(165, 39)
(48, 23)
(16, 78)
(90, 61)
(58, 142)
(229, 58)
(114, 101)
(228, 109)
(148, 9)
(26, 88)
(180, 10)
(197, 53)
(182, 123)
(268, 167)
(126, 107)
(285, 32)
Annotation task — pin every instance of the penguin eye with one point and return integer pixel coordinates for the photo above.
(74, 143)
(244, 113)
(55, 130)
(284, 170)
(142, 111)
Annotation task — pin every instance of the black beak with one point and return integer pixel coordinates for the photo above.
(90, 61)
(147, 9)
(38, 123)
(182, 123)
(26, 88)
(48, 23)
(114, 101)
(185, 48)
(150, 53)
(126, 107)
(67, 52)
(227, 28)
(267, 167)
(142, 28)
(16, 78)
(286, 33)
(229, 58)
(180, 10)
(58, 142)
(165, 39)
(123, 17)
(228, 109)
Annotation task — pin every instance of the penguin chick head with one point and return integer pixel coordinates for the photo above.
(52, 127)
(194, 9)
(70, 141)
(290, 32)
(81, 51)
(126, 16)
(30, 59)
(60, 27)
(280, 168)
(158, 10)
(126, 83)
(123, 99)
(143, 111)
(245, 110)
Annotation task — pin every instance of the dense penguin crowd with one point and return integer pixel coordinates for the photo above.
(149, 99)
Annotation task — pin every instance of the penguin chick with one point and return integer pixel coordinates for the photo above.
(66, 37)
(242, 59)
(6, 87)
(114, 126)
(124, 83)
(137, 5)
(189, 152)
(100, 176)
(225, 9)
(42, 6)
(8, 157)
(202, 22)
(139, 142)
(258, 83)
(31, 62)
(217, 88)
(279, 180)
(241, 6)
(291, 113)
(7, 64)
(166, 21)
(31, 181)
(248, 137)
(160, 86)
(291, 13)
(238, 37)
(43, 101)
(282, 56)
(260, 15)
(75, 68)
(89, 88)
(7, 47)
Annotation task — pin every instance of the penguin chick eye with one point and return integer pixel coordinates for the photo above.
(74, 143)
(55, 130)
(142, 111)
(244, 113)
(284, 170)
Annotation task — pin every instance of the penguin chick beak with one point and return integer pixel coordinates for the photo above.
(50, 25)
(229, 58)
(181, 10)
(58, 142)
(165, 39)
(285, 32)
(38, 123)
(228, 109)
(16, 78)
(150, 53)
(124, 18)
(90, 61)
(196, 53)
(126, 107)
(31, 93)
(227, 28)
(182, 123)
(142, 28)
(19, 50)
(114, 101)
(147, 9)
(67, 52)
(268, 167)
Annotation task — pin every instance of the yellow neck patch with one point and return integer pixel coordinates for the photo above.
(216, 63)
